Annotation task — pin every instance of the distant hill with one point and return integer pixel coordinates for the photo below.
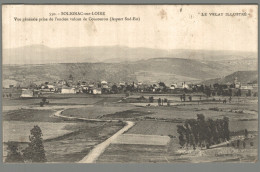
(168, 70)
(40, 54)
(119, 63)
(177, 69)
(242, 76)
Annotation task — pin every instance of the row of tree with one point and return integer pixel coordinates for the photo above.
(34, 152)
(200, 132)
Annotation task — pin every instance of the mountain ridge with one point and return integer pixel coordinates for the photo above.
(41, 54)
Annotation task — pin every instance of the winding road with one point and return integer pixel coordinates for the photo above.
(100, 148)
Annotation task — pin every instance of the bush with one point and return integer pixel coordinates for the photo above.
(13, 154)
(171, 136)
(151, 99)
(214, 109)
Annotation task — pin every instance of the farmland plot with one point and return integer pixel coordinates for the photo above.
(140, 139)
(154, 128)
(19, 131)
(69, 146)
(128, 153)
(96, 111)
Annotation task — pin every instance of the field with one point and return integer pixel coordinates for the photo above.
(96, 111)
(71, 140)
(172, 153)
(154, 128)
(141, 139)
(162, 121)
(30, 115)
(64, 141)
(74, 147)
(133, 154)
(19, 131)
(59, 99)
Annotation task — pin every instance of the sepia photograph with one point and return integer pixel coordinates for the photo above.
(129, 83)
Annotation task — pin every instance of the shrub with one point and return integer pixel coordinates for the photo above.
(13, 154)
(214, 109)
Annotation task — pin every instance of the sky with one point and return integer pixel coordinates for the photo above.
(160, 26)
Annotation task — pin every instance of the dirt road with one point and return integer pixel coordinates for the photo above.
(100, 148)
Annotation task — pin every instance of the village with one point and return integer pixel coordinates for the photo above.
(12, 88)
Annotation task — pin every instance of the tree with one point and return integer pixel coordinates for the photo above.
(114, 89)
(41, 104)
(226, 128)
(162, 84)
(44, 100)
(213, 129)
(151, 99)
(159, 102)
(187, 134)
(238, 92)
(13, 155)
(248, 93)
(219, 130)
(207, 91)
(202, 88)
(181, 131)
(129, 88)
(71, 77)
(208, 135)
(190, 98)
(246, 133)
(201, 128)
(184, 97)
(194, 129)
(35, 151)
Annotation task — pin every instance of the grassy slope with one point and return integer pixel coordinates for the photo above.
(242, 76)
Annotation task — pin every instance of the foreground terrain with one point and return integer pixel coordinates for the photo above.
(71, 140)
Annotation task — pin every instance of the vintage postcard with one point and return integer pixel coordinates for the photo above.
(129, 83)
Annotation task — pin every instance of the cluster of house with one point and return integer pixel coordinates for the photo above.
(104, 87)
(233, 89)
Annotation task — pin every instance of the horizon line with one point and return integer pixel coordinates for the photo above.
(11, 48)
